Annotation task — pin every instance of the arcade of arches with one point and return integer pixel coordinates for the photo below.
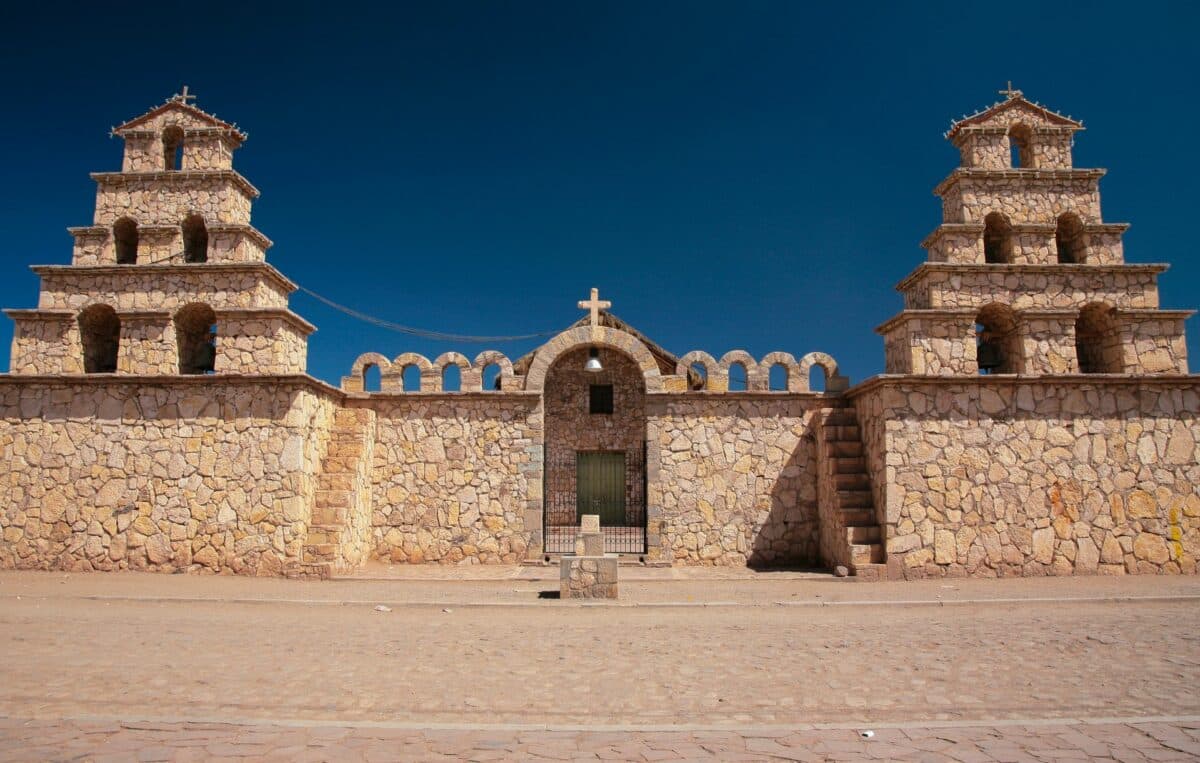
(1036, 415)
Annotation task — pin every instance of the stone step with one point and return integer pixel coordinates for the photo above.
(863, 534)
(841, 433)
(868, 573)
(859, 518)
(852, 481)
(855, 499)
(330, 515)
(846, 449)
(336, 481)
(323, 535)
(317, 570)
(850, 465)
(334, 498)
(346, 450)
(841, 418)
(343, 464)
(866, 553)
(346, 418)
(319, 552)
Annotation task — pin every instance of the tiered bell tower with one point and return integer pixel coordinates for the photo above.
(170, 278)
(1023, 275)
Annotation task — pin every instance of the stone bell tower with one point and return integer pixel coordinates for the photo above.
(169, 259)
(1024, 276)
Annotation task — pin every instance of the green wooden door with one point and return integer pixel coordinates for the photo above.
(600, 487)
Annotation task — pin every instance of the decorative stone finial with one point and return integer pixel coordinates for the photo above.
(1010, 93)
(595, 305)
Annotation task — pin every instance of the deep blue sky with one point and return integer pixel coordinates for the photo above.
(739, 175)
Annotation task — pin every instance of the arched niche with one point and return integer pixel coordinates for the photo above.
(425, 374)
(100, 337)
(713, 375)
(492, 359)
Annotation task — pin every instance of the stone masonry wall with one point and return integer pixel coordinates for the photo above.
(733, 478)
(189, 475)
(1024, 477)
(452, 476)
(48, 344)
(160, 289)
(1059, 286)
(249, 342)
(220, 196)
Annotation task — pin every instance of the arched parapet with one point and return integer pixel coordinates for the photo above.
(584, 336)
(355, 381)
(796, 382)
(834, 382)
(715, 379)
(469, 379)
(429, 375)
(754, 379)
(495, 358)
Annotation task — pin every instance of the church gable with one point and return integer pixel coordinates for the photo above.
(1015, 110)
(176, 111)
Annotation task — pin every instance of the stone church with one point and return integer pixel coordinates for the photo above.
(1035, 417)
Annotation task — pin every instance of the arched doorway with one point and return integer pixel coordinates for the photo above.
(595, 449)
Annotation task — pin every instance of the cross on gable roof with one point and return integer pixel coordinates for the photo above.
(1015, 100)
(176, 103)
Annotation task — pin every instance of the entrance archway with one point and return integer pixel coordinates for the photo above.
(595, 449)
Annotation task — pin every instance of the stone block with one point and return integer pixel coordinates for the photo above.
(588, 577)
(593, 544)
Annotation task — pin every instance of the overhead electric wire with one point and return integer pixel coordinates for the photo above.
(423, 333)
(398, 327)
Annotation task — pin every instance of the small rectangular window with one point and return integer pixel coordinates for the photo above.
(601, 398)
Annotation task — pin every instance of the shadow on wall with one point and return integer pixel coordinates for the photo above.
(788, 534)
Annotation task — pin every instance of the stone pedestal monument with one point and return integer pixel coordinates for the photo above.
(589, 573)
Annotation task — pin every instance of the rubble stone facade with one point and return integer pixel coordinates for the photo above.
(1036, 415)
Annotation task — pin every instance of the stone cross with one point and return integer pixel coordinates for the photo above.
(595, 305)
(1009, 92)
(184, 96)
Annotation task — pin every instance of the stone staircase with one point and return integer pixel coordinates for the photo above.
(338, 534)
(850, 531)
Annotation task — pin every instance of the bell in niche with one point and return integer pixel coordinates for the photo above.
(990, 356)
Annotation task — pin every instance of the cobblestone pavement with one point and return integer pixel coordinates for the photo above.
(1177, 740)
(384, 681)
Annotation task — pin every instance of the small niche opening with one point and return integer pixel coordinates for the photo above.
(372, 378)
(125, 241)
(778, 378)
(738, 378)
(451, 378)
(410, 378)
(172, 142)
(195, 239)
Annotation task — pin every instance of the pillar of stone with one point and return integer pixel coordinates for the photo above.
(589, 573)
